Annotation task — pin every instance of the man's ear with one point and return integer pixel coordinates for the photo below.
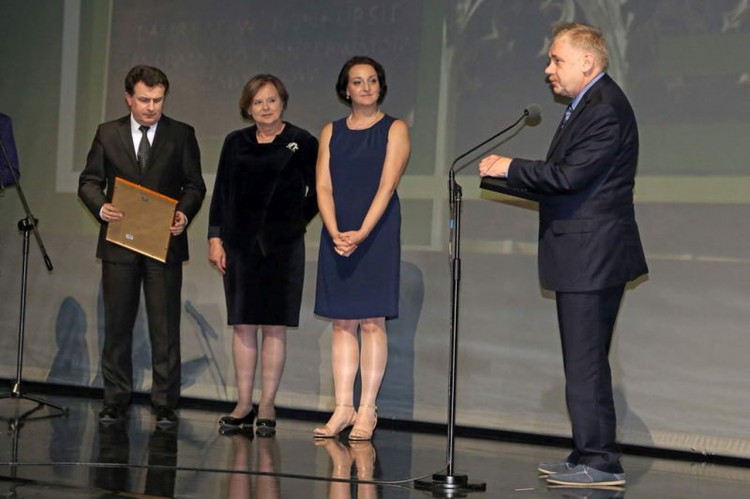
(588, 62)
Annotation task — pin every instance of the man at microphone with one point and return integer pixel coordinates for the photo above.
(8, 154)
(589, 244)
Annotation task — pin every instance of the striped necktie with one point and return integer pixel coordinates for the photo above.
(566, 117)
(144, 148)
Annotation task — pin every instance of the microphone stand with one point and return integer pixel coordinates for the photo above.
(26, 225)
(14, 428)
(449, 483)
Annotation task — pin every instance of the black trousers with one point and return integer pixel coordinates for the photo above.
(121, 286)
(586, 323)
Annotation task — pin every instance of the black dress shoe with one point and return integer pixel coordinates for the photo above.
(265, 427)
(244, 423)
(165, 417)
(230, 431)
(111, 414)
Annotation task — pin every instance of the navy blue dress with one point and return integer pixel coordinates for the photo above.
(366, 283)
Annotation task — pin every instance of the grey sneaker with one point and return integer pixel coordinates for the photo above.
(555, 468)
(594, 492)
(586, 476)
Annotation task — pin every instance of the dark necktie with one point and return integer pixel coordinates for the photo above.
(144, 148)
(566, 117)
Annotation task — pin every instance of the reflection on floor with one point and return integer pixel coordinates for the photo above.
(73, 456)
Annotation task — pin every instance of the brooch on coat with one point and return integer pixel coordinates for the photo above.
(292, 146)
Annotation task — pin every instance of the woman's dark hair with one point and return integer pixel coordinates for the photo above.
(149, 75)
(253, 86)
(343, 79)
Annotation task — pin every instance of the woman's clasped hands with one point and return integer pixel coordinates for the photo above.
(345, 243)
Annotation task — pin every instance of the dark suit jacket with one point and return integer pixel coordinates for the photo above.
(9, 145)
(173, 170)
(588, 236)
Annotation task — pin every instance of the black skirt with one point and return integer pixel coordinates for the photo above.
(264, 288)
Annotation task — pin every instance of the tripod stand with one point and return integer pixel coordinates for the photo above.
(14, 429)
(25, 225)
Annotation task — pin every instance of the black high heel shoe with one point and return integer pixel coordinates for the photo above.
(265, 427)
(242, 424)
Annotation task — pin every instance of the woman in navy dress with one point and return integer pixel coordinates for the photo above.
(264, 196)
(360, 162)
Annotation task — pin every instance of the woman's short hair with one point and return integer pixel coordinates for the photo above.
(343, 79)
(253, 86)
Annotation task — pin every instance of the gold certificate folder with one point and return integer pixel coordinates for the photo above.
(147, 217)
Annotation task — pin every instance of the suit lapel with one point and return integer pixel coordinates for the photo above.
(161, 137)
(556, 138)
(563, 131)
(127, 143)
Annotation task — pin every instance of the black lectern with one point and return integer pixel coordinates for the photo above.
(501, 185)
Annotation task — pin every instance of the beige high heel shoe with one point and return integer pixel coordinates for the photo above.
(332, 432)
(362, 430)
(341, 459)
(363, 454)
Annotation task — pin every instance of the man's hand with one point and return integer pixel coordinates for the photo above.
(111, 213)
(178, 224)
(494, 166)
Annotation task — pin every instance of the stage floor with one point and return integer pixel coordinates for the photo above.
(73, 456)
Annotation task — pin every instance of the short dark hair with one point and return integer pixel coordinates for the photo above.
(149, 75)
(253, 86)
(343, 79)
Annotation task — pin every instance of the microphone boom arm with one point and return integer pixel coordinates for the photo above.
(462, 156)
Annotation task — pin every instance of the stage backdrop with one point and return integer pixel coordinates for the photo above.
(458, 71)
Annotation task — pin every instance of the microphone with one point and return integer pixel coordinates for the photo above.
(532, 112)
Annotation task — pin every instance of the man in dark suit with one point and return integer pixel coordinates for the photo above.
(589, 244)
(8, 153)
(161, 154)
